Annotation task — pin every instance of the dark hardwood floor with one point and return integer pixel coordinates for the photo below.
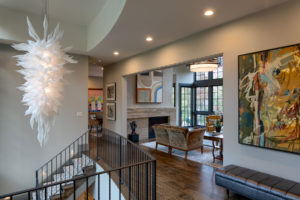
(179, 179)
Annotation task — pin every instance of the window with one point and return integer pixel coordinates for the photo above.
(218, 74)
(218, 99)
(206, 95)
(186, 106)
(202, 99)
(201, 76)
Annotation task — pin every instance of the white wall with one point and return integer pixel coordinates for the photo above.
(278, 26)
(167, 91)
(95, 82)
(20, 152)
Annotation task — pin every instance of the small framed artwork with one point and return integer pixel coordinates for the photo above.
(111, 92)
(111, 111)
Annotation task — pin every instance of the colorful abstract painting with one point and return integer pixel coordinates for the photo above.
(149, 87)
(95, 100)
(269, 99)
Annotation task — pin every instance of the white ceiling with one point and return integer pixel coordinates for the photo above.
(73, 11)
(167, 21)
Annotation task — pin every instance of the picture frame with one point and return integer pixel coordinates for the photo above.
(95, 100)
(110, 92)
(268, 83)
(149, 87)
(111, 111)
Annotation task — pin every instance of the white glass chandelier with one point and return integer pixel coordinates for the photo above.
(203, 67)
(43, 71)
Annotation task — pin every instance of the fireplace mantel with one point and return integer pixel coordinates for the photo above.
(136, 113)
(141, 117)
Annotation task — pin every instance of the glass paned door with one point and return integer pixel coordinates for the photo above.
(186, 106)
(202, 105)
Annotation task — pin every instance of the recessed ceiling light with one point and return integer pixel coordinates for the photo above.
(149, 39)
(208, 13)
(116, 53)
(102, 68)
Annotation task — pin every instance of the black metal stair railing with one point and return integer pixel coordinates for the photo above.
(126, 171)
(67, 163)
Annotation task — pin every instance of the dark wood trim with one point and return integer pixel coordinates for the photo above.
(95, 88)
(206, 83)
(175, 94)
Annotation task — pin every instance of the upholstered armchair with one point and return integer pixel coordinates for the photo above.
(162, 136)
(185, 140)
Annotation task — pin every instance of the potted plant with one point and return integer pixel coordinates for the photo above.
(218, 126)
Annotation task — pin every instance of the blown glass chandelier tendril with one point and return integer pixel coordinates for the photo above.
(43, 71)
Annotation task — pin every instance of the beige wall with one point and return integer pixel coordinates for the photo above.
(95, 82)
(20, 152)
(278, 26)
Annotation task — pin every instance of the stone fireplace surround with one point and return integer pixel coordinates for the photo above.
(142, 115)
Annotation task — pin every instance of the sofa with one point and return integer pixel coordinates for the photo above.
(179, 138)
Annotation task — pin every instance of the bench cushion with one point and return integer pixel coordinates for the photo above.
(262, 182)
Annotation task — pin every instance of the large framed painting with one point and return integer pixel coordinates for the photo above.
(95, 100)
(111, 111)
(269, 99)
(149, 87)
(111, 92)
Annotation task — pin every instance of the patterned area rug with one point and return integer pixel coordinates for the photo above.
(206, 158)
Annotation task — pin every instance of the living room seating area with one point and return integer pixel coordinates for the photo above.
(179, 138)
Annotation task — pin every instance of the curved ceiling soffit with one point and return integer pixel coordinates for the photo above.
(103, 23)
(121, 21)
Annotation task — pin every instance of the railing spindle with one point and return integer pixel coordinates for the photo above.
(74, 190)
(87, 188)
(109, 185)
(99, 187)
(129, 181)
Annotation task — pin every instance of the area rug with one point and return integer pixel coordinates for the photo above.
(206, 158)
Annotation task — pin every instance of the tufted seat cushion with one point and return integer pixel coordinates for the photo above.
(256, 185)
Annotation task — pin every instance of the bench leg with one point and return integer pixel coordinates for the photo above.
(186, 154)
(170, 151)
(228, 193)
(156, 147)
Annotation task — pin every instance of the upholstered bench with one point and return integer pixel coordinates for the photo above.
(256, 185)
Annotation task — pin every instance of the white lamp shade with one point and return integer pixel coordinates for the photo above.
(203, 67)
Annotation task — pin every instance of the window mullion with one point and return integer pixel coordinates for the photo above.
(210, 99)
(195, 105)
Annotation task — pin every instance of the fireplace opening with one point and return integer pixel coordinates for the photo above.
(156, 120)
